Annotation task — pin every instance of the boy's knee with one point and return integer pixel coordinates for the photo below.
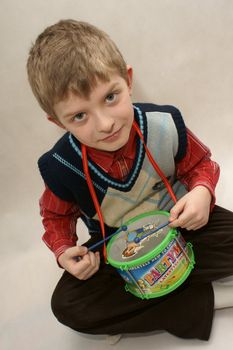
(57, 304)
(71, 312)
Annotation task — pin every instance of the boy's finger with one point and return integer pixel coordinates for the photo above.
(92, 259)
(176, 210)
(76, 251)
(97, 254)
(174, 223)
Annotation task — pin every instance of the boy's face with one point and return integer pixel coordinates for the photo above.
(103, 120)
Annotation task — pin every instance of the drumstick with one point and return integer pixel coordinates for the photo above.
(138, 239)
(122, 228)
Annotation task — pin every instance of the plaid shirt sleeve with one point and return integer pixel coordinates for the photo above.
(197, 168)
(59, 221)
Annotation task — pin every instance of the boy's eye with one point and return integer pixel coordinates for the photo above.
(79, 116)
(111, 97)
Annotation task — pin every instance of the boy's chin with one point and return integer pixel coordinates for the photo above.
(114, 148)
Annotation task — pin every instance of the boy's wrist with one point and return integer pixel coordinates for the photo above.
(209, 192)
(61, 251)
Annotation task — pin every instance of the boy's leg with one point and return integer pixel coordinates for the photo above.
(213, 247)
(100, 305)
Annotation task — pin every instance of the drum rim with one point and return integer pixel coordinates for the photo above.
(150, 255)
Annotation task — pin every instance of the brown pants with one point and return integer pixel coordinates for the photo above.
(100, 305)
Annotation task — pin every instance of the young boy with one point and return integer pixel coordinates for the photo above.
(99, 172)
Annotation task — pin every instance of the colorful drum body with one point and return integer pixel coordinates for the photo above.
(152, 263)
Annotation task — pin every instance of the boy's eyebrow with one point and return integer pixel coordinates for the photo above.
(114, 85)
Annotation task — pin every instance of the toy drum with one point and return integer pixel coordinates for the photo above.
(151, 257)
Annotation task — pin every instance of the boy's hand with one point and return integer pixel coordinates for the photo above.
(80, 262)
(192, 210)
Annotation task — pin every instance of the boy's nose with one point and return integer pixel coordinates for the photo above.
(105, 123)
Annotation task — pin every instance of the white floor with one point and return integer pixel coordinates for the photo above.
(198, 79)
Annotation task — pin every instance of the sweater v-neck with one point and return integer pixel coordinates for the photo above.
(97, 169)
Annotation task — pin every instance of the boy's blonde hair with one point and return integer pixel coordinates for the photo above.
(71, 56)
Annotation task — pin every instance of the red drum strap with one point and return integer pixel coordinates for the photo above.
(92, 190)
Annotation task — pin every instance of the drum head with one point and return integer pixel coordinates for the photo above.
(136, 238)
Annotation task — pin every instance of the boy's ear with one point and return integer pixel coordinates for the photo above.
(130, 78)
(55, 121)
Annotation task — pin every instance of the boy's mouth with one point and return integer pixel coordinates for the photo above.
(113, 136)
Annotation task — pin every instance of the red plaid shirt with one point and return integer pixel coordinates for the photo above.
(60, 217)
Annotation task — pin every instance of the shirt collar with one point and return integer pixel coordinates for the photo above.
(105, 159)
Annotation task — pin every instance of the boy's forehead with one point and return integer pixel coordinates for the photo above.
(113, 80)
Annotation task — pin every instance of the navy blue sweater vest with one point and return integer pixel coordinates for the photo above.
(62, 170)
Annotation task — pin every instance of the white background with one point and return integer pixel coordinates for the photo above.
(182, 54)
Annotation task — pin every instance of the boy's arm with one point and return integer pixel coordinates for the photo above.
(200, 175)
(59, 220)
(197, 168)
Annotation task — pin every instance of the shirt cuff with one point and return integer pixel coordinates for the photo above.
(60, 247)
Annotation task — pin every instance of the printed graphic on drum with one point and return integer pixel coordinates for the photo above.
(151, 257)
